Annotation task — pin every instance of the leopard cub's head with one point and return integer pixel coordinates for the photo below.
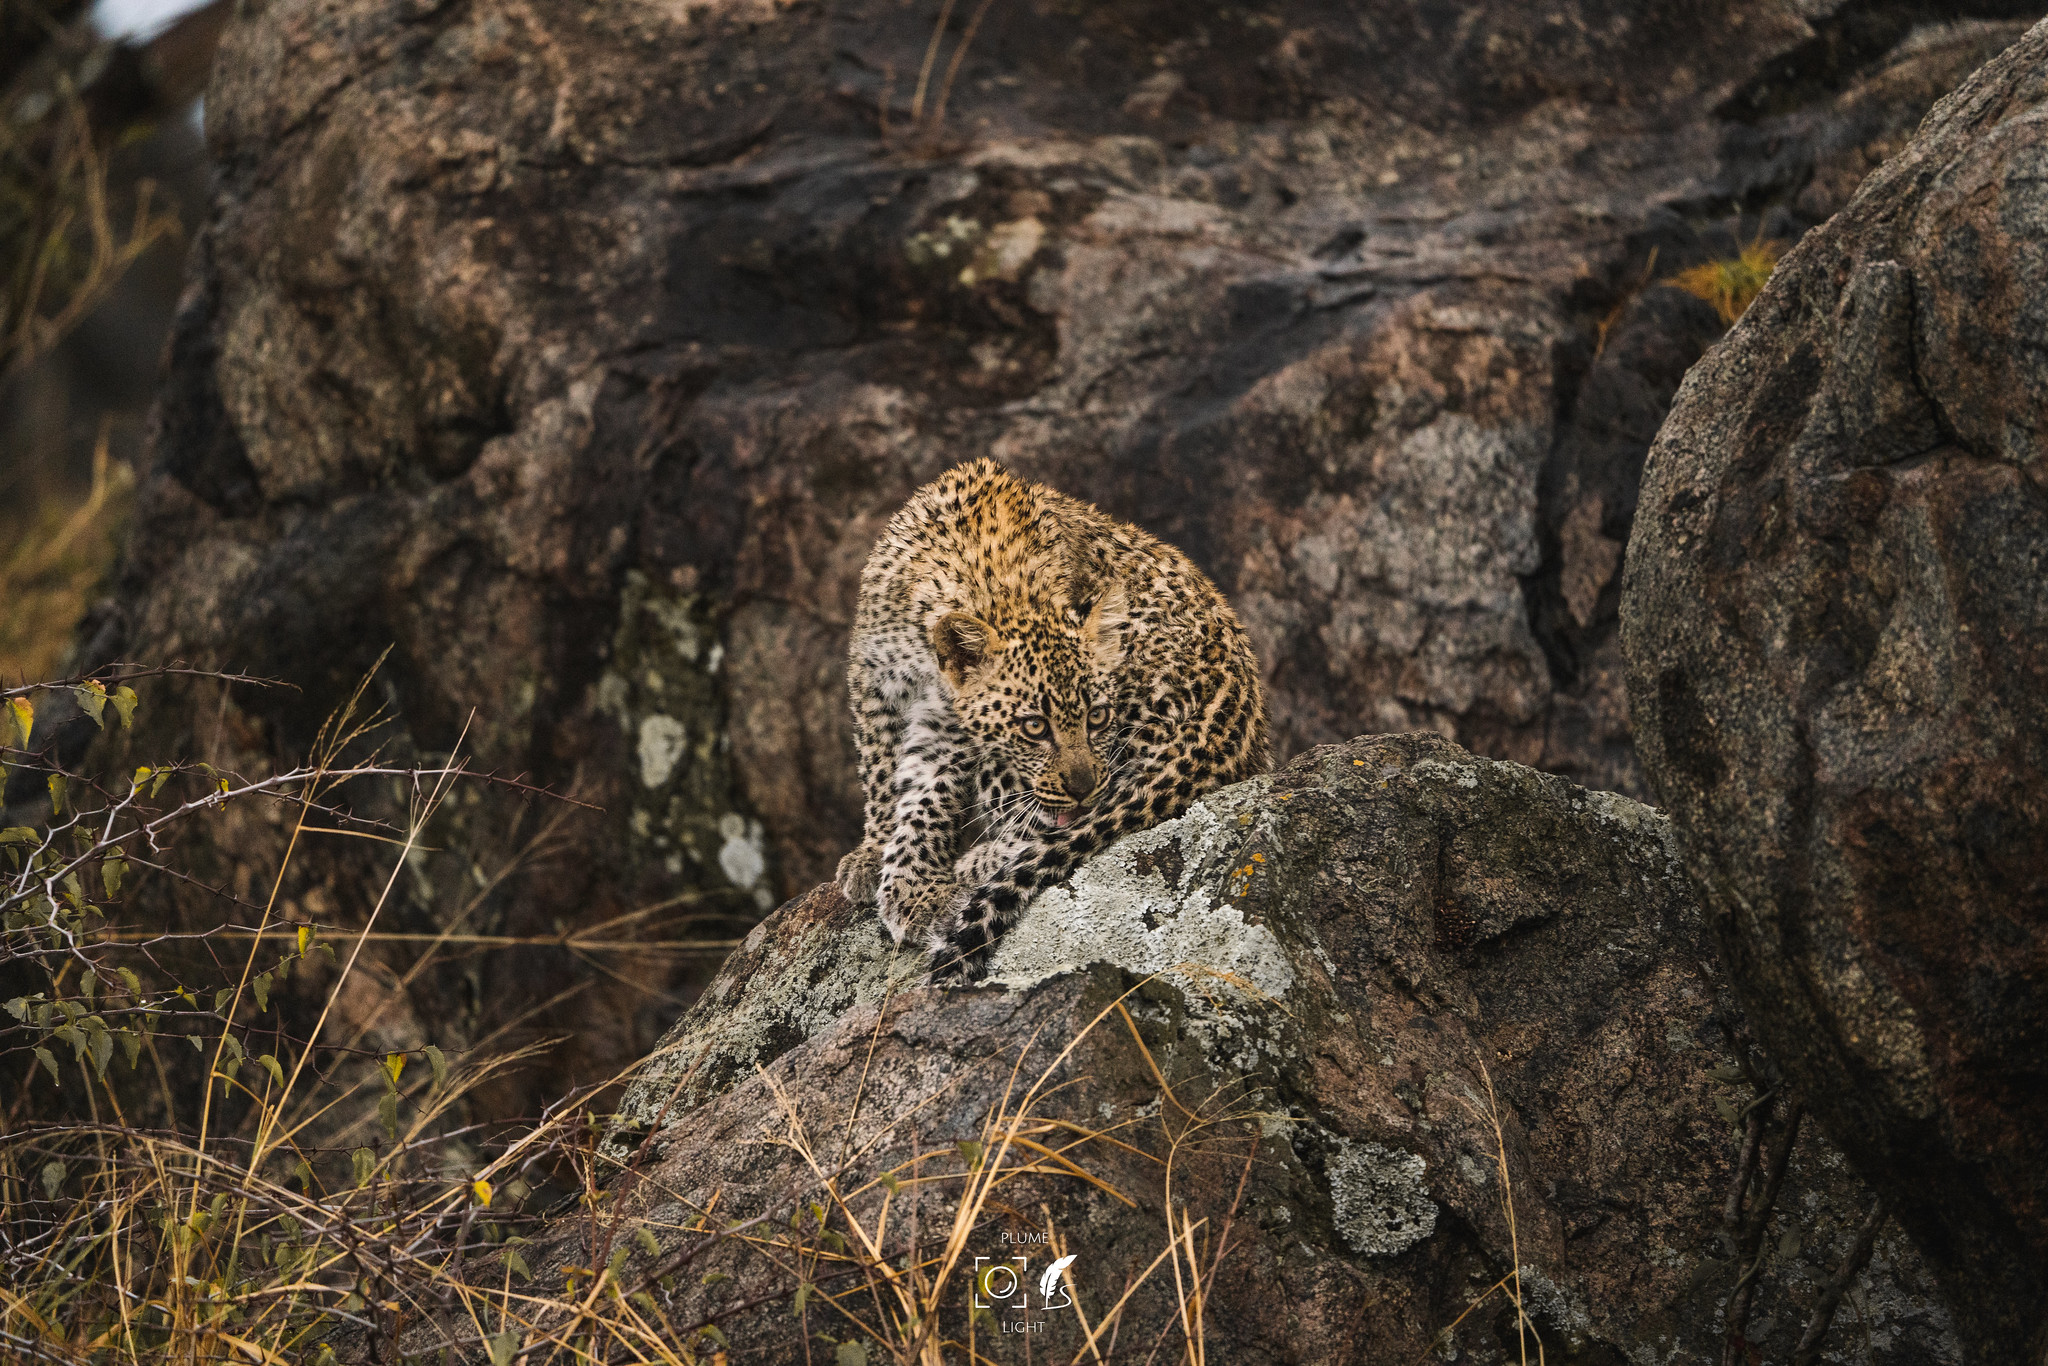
(1036, 693)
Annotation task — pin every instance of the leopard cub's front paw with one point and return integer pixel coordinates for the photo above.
(860, 874)
(914, 913)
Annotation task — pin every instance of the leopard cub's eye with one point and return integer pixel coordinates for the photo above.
(1098, 716)
(1034, 727)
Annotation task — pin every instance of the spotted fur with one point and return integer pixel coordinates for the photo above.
(1031, 679)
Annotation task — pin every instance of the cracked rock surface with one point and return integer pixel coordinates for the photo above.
(1312, 969)
(1838, 665)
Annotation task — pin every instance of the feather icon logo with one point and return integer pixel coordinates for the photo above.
(1049, 1284)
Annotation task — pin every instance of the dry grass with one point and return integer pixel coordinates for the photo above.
(273, 1217)
(61, 552)
(1732, 283)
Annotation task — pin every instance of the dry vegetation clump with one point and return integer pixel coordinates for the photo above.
(1730, 284)
(61, 550)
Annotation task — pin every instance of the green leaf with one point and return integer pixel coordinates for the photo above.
(102, 1050)
(715, 1333)
(131, 1044)
(156, 784)
(130, 980)
(644, 1300)
(503, 1346)
(92, 700)
(19, 834)
(23, 713)
(260, 984)
(439, 1062)
(970, 1151)
(890, 1181)
(89, 984)
(617, 1261)
(644, 1236)
(49, 1060)
(53, 1177)
(387, 1111)
(803, 1297)
(18, 1007)
(112, 869)
(124, 700)
(713, 1278)
(221, 999)
(851, 1353)
(274, 1067)
(516, 1264)
(365, 1162)
(234, 1046)
(830, 1238)
(58, 787)
(394, 1064)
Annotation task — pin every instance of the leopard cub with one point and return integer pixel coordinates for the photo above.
(1031, 679)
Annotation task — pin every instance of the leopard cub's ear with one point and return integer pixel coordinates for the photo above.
(961, 642)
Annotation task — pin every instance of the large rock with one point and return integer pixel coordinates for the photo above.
(1323, 973)
(1837, 636)
(578, 352)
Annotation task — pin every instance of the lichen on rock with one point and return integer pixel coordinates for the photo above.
(1381, 1202)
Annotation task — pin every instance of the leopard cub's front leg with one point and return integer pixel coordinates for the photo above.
(917, 887)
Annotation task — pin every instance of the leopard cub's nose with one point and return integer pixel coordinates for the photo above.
(1077, 776)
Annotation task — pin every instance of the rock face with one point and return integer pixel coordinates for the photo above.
(1838, 667)
(1288, 1006)
(578, 352)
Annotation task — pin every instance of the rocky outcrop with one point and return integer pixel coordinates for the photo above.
(578, 352)
(1351, 1018)
(1838, 668)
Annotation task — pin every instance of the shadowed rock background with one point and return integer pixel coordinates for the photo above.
(578, 353)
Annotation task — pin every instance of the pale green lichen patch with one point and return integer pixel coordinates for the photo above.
(797, 991)
(661, 688)
(1380, 1201)
(1151, 904)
